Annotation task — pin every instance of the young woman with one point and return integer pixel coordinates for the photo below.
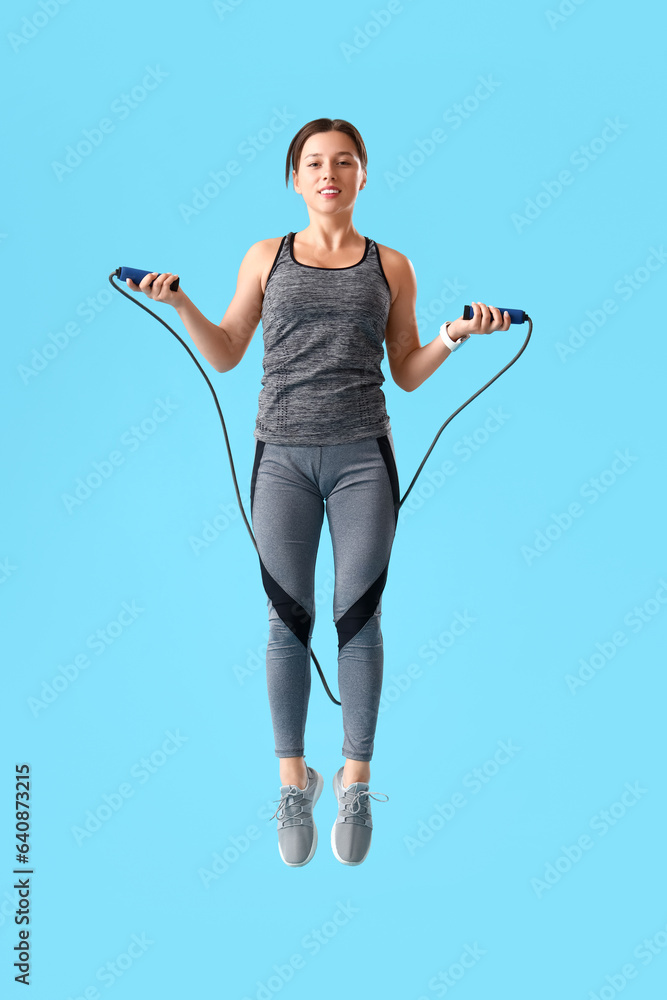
(328, 297)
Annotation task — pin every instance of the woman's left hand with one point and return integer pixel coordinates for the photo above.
(485, 319)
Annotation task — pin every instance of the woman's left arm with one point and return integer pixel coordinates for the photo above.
(410, 362)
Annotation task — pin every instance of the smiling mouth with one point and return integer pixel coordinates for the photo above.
(329, 194)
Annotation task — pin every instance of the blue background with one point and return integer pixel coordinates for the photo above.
(480, 210)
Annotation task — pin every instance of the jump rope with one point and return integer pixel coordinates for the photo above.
(517, 316)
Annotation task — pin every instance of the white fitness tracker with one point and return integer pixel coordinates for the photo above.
(447, 340)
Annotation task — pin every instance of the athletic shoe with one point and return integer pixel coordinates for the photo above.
(352, 831)
(297, 833)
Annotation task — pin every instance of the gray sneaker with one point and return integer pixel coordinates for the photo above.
(297, 833)
(352, 831)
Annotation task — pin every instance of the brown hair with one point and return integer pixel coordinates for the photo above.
(322, 125)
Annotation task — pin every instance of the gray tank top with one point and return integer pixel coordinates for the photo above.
(323, 344)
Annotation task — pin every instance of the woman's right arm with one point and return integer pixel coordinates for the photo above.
(223, 345)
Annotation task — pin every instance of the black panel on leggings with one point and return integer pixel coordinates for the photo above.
(362, 610)
(290, 611)
(388, 456)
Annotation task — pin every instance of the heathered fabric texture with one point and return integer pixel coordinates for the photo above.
(323, 344)
(291, 489)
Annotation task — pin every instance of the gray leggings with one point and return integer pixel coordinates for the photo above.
(289, 487)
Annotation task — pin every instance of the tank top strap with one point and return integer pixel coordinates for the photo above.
(282, 256)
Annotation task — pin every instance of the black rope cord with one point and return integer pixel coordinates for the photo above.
(229, 450)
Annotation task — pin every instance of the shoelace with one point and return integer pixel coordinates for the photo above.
(353, 808)
(284, 804)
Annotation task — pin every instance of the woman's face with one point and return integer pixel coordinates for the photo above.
(329, 160)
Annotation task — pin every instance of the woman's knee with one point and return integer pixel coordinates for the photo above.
(360, 628)
(289, 624)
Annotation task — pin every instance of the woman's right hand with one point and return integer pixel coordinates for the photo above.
(484, 319)
(160, 290)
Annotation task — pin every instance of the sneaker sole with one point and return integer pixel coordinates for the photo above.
(333, 838)
(300, 864)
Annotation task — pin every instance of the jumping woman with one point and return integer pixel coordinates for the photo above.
(327, 298)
